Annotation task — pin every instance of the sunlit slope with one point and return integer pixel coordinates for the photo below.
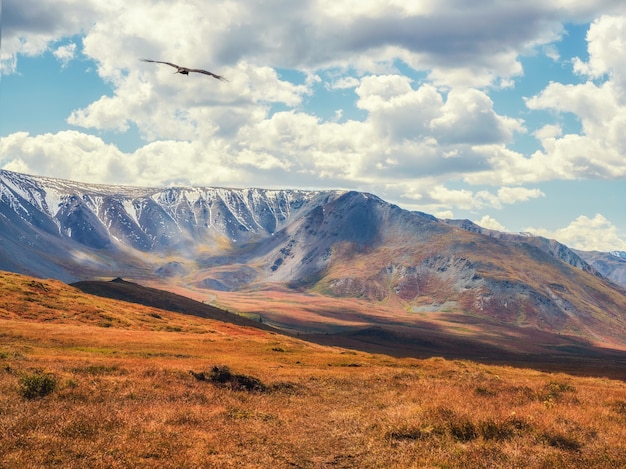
(91, 382)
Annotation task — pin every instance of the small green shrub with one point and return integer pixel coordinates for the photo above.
(37, 385)
(98, 370)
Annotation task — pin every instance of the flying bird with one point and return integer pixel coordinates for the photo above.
(185, 70)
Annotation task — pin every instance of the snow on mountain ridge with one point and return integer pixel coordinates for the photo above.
(334, 243)
(155, 216)
(619, 254)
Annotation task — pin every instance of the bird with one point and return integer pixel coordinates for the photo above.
(185, 70)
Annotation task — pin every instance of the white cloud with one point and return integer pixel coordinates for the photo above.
(490, 223)
(598, 152)
(418, 136)
(468, 117)
(607, 46)
(549, 131)
(395, 110)
(458, 43)
(471, 200)
(512, 195)
(65, 54)
(552, 52)
(30, 27)
(461, 198)
(69, 154)
(345, 83)
(587, 234)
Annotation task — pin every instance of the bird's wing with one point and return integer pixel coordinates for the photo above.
(160, 62)
(206, 72)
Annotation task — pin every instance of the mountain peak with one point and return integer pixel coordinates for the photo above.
(342, 244)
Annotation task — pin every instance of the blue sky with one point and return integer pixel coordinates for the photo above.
(509, 113)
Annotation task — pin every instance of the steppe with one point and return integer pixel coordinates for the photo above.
(92, 382)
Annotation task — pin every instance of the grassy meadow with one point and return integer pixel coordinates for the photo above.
(91, 382)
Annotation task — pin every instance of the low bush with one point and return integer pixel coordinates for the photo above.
(223, 376)
(37, 385)
(561, 441)
(461, 428)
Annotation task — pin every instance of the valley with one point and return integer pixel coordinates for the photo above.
(361, 325)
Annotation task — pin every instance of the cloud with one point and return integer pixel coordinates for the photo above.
(552, 52)
(473, 200)
(549, 131)
(68, 154)
(395, 109)
(456, 42)
(344, 83)
(188, 107)
(468, 117)
(490, 223)
(513, 195)
(65, 54)
(417, 133)
(398, 139)
(31, 27)
(600, 107)
(606, 46)
(587, 234)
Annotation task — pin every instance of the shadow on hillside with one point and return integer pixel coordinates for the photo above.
(554, 353)
(490, 343)
(119, 289)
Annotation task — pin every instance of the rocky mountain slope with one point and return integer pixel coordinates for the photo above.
(324, 243)
(612, 265)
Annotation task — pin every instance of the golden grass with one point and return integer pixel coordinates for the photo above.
(124, 397)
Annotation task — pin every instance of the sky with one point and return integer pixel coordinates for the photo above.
(509, 113)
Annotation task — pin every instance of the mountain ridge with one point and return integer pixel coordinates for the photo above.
(337, 244)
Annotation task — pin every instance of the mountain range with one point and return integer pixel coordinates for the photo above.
(318, 261)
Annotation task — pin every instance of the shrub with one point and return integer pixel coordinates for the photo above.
(410, 433)
(561, 441)
(482, 391)
(462, 429)
(443, 421)
(501, 430)
(37, 385)
(222, 376)
(620, 407)
(554, 389)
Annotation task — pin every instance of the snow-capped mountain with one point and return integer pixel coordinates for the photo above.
(149, 219)
(612, 264)
(335, 243)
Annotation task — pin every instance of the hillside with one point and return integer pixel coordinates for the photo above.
(354, 324)
(610, 264)
(119, 289)
(92, 382)
(318, 261)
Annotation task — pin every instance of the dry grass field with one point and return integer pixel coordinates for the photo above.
(91, 382)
